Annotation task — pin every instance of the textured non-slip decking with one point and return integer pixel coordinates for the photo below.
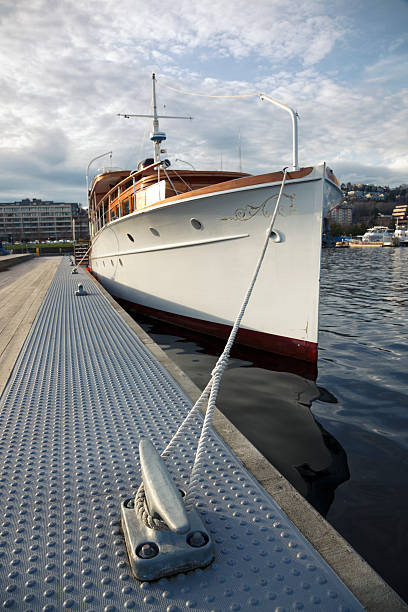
(82, 393)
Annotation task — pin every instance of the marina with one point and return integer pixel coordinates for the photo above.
(203, 356)
(85, 388)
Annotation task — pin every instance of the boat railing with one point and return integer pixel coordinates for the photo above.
(100, 217)
(113, 198)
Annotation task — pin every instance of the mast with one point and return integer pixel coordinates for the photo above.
(156, 136)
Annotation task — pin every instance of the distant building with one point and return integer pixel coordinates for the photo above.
(342, 213)
(355, 194)
(81, 225)
(400, 214)
(374, 196)
(37, 220)
(383, 219)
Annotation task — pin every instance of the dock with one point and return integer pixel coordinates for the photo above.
(81, 384)
(7, 261)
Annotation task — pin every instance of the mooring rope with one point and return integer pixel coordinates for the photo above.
(209, 394)
(82, 259)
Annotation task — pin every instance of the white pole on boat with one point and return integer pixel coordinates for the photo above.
(156, 136)
(87, 185)
(184, 162)
(87, 173)
(239, 151)
(156, 131)
(294, 117)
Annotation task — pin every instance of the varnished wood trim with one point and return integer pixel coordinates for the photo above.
(248, 181)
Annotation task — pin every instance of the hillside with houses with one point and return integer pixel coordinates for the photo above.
(366, 205)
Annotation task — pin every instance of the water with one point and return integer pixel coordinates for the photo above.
(341, 440)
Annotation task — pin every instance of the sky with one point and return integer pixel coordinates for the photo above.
(67, 68)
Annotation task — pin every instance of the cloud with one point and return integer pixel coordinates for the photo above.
(67, 69)
(376, 175)
(391, 68)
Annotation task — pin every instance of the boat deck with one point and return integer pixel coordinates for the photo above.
(83, 392)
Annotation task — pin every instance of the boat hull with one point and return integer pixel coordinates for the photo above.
(190, 262)
(290, 347)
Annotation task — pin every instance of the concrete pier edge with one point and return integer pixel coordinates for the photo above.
(6, 261)
(362, 580)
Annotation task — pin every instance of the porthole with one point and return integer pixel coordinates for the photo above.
(121, 262)
(275, 236)
(130, 237)
(112, 262)
(104, 263)
(154, 231)
(196, 224)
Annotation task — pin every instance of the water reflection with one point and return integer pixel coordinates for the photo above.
(268, 398)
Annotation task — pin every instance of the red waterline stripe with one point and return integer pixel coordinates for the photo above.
(280, 345)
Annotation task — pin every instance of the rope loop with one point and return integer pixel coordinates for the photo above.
(143, 513)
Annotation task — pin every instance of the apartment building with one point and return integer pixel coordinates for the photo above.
(342, 213)
(400, 214)
(42, 220)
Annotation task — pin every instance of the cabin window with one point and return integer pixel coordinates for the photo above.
(126, 207)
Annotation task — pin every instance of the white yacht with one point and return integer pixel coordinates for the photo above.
(401, 236)
(379, 234)
(181, 245)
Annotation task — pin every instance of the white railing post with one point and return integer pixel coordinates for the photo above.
(294, 117)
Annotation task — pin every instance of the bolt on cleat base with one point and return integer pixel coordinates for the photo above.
(154, 553)
(182, 545)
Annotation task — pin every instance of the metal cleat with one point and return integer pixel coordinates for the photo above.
(182, 544)
(80, 290)
(74, 271)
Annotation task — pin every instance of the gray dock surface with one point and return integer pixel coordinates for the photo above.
(84, 390)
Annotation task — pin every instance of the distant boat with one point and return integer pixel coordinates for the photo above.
(378, 234)
(401, 236)
(181, 246)
(342, 242)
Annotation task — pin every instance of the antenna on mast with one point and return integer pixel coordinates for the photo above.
(239, 150)
(156, 135)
